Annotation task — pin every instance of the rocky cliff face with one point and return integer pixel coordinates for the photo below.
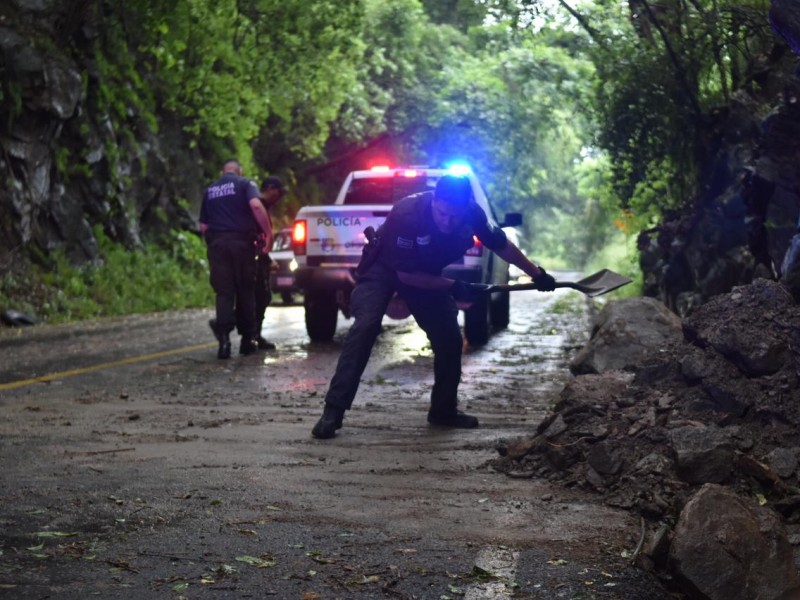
(745, 221)
(67, 165)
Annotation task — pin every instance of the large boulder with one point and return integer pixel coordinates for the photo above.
(726, 547)
(624, 333)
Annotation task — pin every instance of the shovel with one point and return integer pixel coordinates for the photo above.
(600, 283)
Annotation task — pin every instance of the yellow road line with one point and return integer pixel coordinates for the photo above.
(109, 365)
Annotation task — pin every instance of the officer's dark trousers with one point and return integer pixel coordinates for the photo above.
(435, 312)
(263, 292)
(231, 260)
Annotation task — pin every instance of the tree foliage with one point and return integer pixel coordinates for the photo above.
(665, 70)
(309, 83)
(227, 67)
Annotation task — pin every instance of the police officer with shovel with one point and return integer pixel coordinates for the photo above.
(422, 235)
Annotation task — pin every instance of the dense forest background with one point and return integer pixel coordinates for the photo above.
(658, 138)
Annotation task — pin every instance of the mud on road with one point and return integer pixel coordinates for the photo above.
(136, 465)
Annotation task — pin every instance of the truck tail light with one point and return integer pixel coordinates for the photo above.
(299, 237)
(477, 248)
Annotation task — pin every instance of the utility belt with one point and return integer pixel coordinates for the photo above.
(241, 236)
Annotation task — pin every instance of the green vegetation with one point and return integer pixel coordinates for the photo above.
(573, 304)
(155, 278)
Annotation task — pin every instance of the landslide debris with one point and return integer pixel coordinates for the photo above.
(710, 402)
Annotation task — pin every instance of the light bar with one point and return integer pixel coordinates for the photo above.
(459, 169)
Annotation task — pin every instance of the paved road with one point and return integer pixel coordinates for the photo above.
(136, 465)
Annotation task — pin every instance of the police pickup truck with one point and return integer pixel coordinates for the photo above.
(328, 240)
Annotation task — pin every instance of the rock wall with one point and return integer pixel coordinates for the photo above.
(66, 164)
(744, 223)
(698, 433)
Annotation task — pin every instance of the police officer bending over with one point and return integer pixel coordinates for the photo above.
(422, 234)
(232, 218)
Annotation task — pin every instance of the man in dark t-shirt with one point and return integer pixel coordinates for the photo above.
(422, 234)
(272, 190)
(231, 219)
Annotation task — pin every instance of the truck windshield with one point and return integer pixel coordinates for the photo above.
(386, 190)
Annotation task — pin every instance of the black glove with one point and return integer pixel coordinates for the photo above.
(369, 253)
(468, 292)
(545, 282)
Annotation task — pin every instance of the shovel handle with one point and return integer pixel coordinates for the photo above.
(532, 286)
(598, 284)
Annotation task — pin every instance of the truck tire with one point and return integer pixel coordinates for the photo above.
(321, 315)
(287, 297)
(500, 310)
(476, 322)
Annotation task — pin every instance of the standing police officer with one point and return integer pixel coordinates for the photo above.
(422, 234)
(232, 218)
(272, 190)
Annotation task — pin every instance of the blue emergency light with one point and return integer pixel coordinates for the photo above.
(459, 169)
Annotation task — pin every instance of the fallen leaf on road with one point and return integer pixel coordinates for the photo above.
(364, 580)
(54, 534)
(255, 561)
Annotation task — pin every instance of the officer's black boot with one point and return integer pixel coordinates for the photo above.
(455, 418)
(248, 345)
(329, 422)
(224, 350)
(263, 344)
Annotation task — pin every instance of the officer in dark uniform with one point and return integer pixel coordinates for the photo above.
(422, 234)
(232, 218)
(272, 190)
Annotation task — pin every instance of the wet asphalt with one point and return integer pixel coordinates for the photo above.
(135, 464)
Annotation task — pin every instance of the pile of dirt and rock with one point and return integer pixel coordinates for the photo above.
(695, 425)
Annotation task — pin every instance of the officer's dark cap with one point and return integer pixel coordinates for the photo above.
(453, 189)
(272, 181)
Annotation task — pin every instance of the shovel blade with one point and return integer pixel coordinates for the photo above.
(599, 283)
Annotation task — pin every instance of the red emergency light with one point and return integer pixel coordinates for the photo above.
(299, 235)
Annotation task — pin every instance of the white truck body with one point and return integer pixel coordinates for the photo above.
(328, 241)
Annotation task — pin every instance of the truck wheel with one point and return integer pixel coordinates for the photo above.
(321, 315)
(500, 310)
(287, 297)
(476, 322)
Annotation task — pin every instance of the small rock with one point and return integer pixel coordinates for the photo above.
(783, 461)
